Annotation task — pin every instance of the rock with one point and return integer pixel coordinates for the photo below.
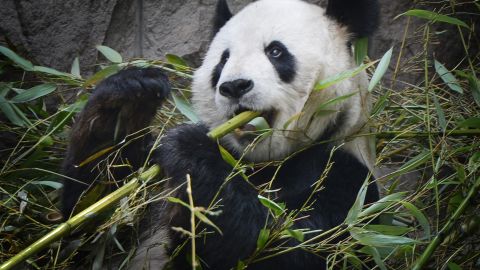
(52, 32)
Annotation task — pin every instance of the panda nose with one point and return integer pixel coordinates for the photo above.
(236, 88)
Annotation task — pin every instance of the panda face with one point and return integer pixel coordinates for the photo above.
(268, 58)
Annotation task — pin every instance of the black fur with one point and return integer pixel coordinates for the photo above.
(222, 16)
(285, 63)
(132, 96)
(217, 71)
(334, 126)
(360, 16)
(187, 150)
(126, 102)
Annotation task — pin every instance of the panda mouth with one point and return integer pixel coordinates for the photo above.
(249, 131)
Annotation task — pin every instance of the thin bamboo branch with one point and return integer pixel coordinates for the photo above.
(425, 257)
(110, 200)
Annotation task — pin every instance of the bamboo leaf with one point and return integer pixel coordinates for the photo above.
(434, 17)
(52, 184)
(420, 218)
(206, 220)
(102, 74)
(262, 238)
(66, 114)
(383, 203)
(375, 255)
(95, 156)
(473, 122)
(109, 53)
(227, 157)
(178, 201)
(354, 211)
(10, 113)
(276, 208)
(34, 93)
(177, 62)
(291, 119)
(259, 123)
(448, 77)
(375, 239)
(75, 71)
(15, 58)
(388, 229)
(474, 162)
(297, 234)
(474, 85)
(321, 108)
(381, 69)
(381, 104)
(241, 265)
(361, 50)
(50, 71)
(185, 108)
(454, 266)
(341, 76)
(413, 163)
(441, 115)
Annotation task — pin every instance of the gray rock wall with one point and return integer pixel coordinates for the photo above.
(54, 32)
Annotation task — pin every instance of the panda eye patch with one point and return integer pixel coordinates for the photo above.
(282, 60)
(225, 57)
(217, 70)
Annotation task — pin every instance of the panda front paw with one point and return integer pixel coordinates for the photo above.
(187, 149)
(143, 86)
(120, 105)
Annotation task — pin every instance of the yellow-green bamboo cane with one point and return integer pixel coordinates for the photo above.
(433, 245)
(110, 200)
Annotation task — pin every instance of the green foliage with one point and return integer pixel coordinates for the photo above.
(381, 69)
(434, 17)
(110, 54)
(428, 133)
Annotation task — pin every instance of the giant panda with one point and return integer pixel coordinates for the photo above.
(266, 58)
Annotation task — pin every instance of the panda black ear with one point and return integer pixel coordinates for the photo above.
(222, 15)
(360, 16)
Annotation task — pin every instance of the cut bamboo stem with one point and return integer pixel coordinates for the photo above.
(427, 254)
(110, 200)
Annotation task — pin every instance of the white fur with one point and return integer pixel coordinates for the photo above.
(319, 46)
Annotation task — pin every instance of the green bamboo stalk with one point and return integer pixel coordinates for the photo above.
(110, 200)
(405, 135)
(232, 124)
(427, 254)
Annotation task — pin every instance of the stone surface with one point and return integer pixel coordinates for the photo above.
(53, 32)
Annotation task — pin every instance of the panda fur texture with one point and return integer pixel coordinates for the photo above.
(266, 58)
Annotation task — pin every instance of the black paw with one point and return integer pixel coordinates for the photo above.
(187, 149)
(120, 105)
(147, 86)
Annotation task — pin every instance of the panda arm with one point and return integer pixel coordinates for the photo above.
(188, 150)
(120, 105)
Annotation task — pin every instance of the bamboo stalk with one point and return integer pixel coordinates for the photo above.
(405, 135)
(425, 257)
(232, 124)
(110, 200)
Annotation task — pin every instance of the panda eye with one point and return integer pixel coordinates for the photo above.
(275, 52)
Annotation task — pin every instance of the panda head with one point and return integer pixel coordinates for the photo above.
(269, 57)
